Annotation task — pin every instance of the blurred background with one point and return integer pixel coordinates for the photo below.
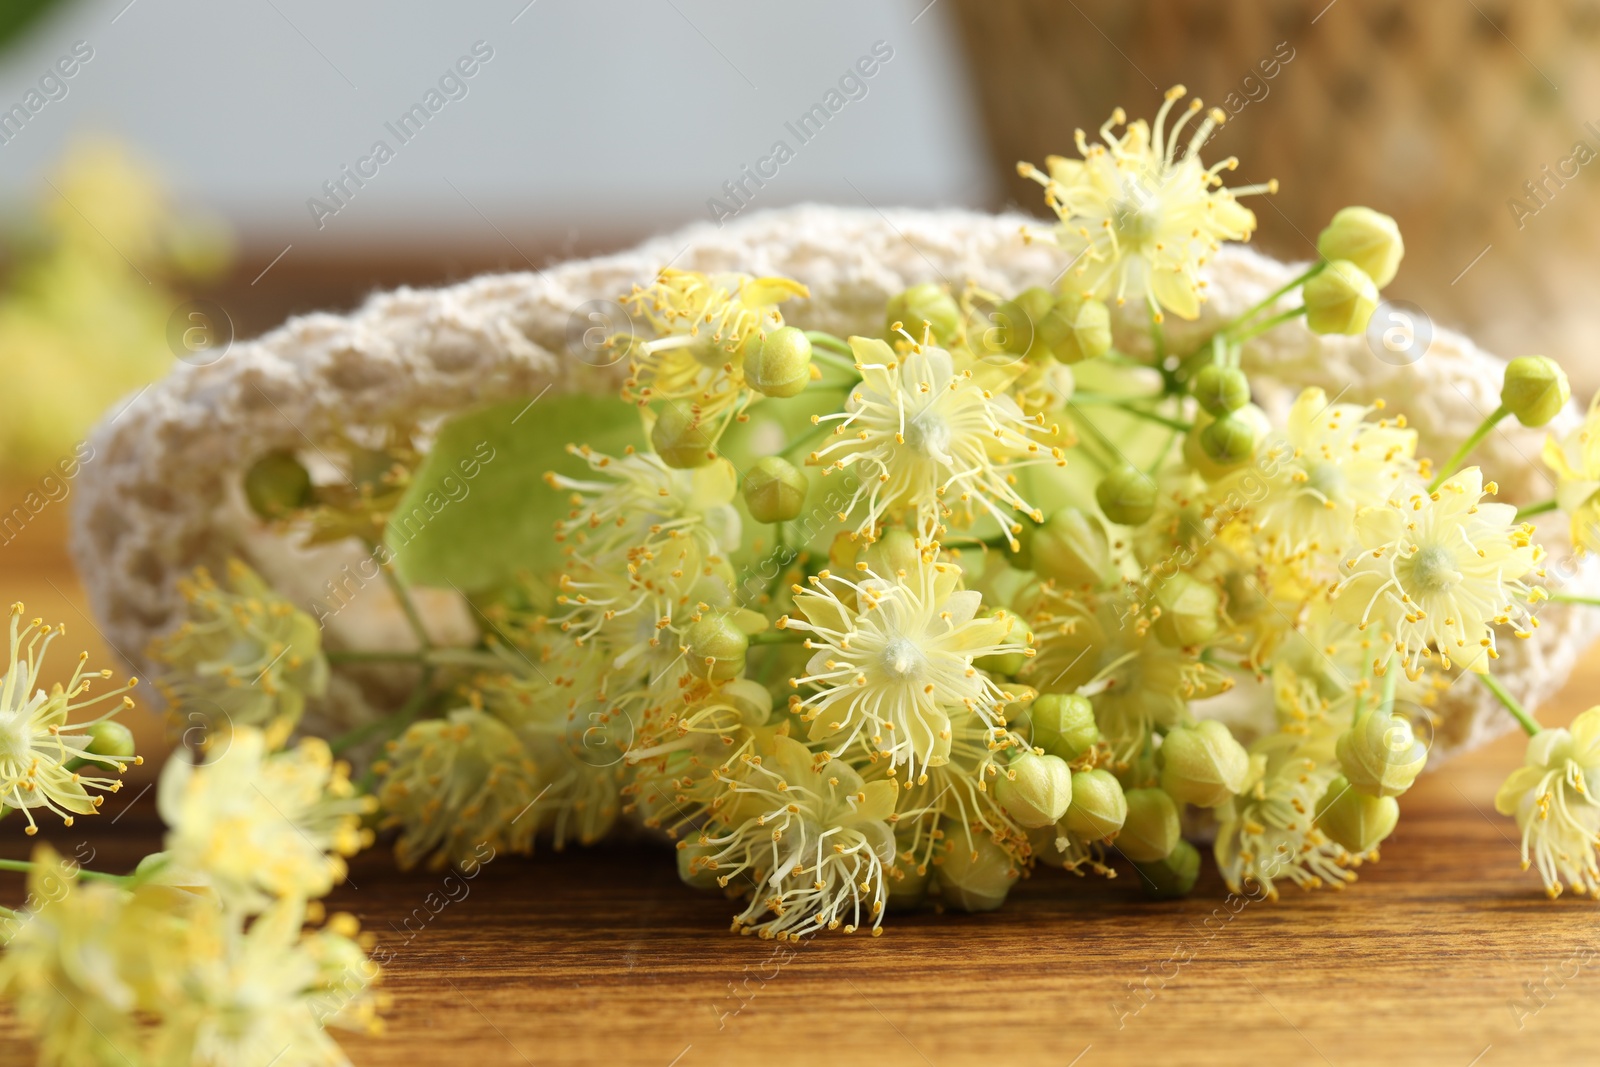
(271, 157)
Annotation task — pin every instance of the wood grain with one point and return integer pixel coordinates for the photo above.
(601, 956)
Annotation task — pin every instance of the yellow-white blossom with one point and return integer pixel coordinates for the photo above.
(1555, 806)
(263, 825)
(924, 439)
(1140, 214)
(1576, 461)
(1439, 571)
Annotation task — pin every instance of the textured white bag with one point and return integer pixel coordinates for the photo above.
(162, 492)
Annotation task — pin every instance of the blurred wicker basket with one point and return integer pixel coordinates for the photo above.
(1435, 113)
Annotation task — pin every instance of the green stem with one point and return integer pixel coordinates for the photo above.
(393, 723)
(1272, 298)
(777, 637)
(1170, 423)
(1468, 445)
(1536, 509)
(93, 876)
(1113, 455)
(1573, 598)
(1391, 681)
(820, 339)
(1517, 711)
(413, 617)
(1266, 324)
(805, 441)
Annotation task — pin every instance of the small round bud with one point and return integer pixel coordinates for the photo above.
(1035, 790)
(716, 648)
(1127, 495)
(925, 305)
(1380, 754)
(1076, 329)
(1071, 548)
(1367, 238)
(1221, 389)
(780, 364)
(1015, 325)
(111, 738)
(1245, 599)
(909, 881)
(894, 552)
(1098, 807)
(1063, 724)
(975, 876)
(1188, 611)
(1173, 876)
(680, 439)
(1355, 820)
(1233, 439)
(1202, 764)
(1535, 389)
(1340, 299)
(276, 485)
(775, 490)
(1152, 830)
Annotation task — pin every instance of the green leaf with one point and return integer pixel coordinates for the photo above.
(479, 510)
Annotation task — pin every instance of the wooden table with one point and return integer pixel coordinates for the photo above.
(601, 956)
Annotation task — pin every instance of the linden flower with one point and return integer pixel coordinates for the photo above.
(703, 323)
(256, 994)
(893, 656)
(262, 824)
(1268, 833)
(1138, 218)
(815, 844)
(456, 783)
(1331, 463)
(1439, 571)
(59, 969)
(643, 501)
(915, 430)
(244, 656)
(1557, 812)
(1576, 461)
(40, 751)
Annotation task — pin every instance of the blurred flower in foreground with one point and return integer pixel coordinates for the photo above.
(1576, 461)
(83, 319)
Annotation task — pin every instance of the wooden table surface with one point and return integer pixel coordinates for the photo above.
(601, 956)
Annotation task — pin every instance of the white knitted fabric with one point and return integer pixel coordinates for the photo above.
(161, 495)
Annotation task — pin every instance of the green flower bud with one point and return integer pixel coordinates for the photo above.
(775, 490)
(1244, 596)
(1008, 663)
(111, 738)
(1355, 820)
(1188, 611)
(276, 485)
(925, 304)
(1127, 495)
(1221, 389)
(1233, 438)
(1075, 329)
(1015, 325)
(1381, 754)
(975, 878)
(1367, 238)
(716, 648)
(1098, 807)
(1063, 724)
(680, 439)
(908, 882)
(1071, 548)
(1340, 299)
(1203, 764)
(1535, 389)
(779, 365)
(1035, 790)
(1152, 830)
(1173, 876)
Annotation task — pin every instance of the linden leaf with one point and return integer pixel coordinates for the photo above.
(478, 509)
